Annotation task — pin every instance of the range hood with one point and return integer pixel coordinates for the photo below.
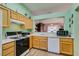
(17, 22)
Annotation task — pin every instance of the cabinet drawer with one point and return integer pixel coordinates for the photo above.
(7, 45)
(66, 40)
(8, 51)
(35, 37)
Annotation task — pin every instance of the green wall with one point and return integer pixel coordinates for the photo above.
(21, 9)
(76, 33)
(74, 29)
(13, 27)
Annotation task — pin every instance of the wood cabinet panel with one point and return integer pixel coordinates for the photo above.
(30, 42)
(36, 43)
(43, 43)
(8, 51)
(20, 17)
(5, 16)
(28, 23)
(66, 46)
(66, 40)
(8, 48)
(14, 15)
(5, 46)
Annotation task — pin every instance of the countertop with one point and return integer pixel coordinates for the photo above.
(50, 35)
(10, 40)
(45, 35)
(7, 40)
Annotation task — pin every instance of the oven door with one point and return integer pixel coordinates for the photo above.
(21, 46)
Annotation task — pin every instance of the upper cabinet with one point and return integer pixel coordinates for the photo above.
(28, 23)
(14, 15)
(8, 14)
(5, 16)
(20, 17)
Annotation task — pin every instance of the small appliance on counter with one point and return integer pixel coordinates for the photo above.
(62, 32)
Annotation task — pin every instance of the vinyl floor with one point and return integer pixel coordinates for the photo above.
(37, 52)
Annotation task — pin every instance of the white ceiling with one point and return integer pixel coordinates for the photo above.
(44, 8)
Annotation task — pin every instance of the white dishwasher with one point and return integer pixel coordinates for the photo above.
(53, 44)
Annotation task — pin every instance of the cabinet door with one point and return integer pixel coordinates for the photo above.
(20, 17)
(5, 17)
(29, 23)
(44, 44)
(35, 43)
(66, 46)
(14, 15)
(8, 51)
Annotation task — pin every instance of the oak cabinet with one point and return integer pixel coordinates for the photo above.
(14, 15)
(28, 23)
(66, 46)
(8, 49)
(17, 16)
(36, 43)
(43, 44)
(8, 14)
(5, 16)
(30, 42)
(20, 17)
(40, 42)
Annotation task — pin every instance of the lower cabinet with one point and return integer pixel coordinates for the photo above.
(66, 46)
(40, 42)
(36, 43)
(43, 43)
(8, 49)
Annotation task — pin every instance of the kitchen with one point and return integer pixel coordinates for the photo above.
(32, 29)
